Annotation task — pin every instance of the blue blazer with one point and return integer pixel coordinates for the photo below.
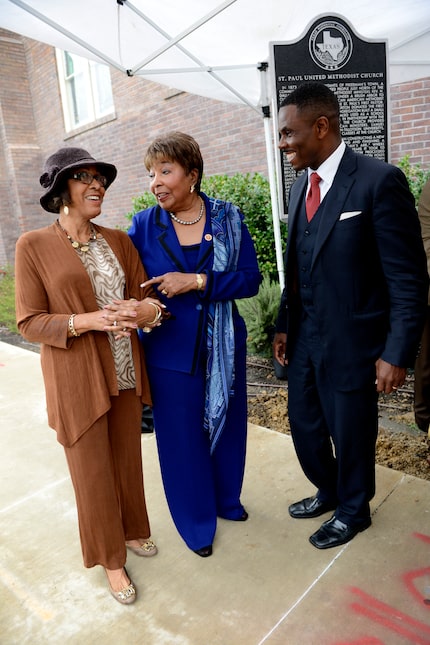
(368, 270)
(179, 343)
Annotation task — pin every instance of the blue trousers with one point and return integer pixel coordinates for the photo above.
(198, 486)
(334, 432)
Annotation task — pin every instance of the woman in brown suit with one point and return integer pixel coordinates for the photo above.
(93, 365)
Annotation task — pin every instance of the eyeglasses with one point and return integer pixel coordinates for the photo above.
(87, 178)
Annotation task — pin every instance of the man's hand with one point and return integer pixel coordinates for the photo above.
(388, 377)
(280, 348)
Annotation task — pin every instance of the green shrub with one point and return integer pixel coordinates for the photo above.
(251, 193)
(260, 313)
(7, 299)
(145, 200)
(415, 175)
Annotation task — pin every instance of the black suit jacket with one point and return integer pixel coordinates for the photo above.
(368, 271)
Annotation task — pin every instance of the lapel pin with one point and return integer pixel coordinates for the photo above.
(208, 237)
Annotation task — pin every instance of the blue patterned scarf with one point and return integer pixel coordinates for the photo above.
(226, 234)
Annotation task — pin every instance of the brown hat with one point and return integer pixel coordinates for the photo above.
(60, 163)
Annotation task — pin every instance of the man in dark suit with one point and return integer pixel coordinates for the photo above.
(352, 311)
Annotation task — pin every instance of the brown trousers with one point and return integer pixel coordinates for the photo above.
(106, 469)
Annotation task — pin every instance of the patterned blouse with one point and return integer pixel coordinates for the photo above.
(108, 282)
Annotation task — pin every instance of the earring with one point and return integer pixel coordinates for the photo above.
(192, 188)
(66, 210)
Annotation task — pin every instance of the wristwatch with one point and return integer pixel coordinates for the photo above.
(199, 282)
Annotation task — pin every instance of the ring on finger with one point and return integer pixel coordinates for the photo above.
(164, 292)
(115, 323)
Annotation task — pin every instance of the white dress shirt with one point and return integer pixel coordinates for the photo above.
(327, 170)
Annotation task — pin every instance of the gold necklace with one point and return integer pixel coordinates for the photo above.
(193, 221)
(80, 246)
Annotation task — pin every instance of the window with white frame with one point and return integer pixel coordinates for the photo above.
(86, 89)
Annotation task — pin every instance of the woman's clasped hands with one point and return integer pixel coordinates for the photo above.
(123, 316)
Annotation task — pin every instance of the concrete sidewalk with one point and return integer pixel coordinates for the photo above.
(265, 583)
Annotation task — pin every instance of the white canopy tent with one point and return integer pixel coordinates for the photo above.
(214, 48)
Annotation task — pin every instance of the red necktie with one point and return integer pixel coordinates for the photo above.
(313, 198)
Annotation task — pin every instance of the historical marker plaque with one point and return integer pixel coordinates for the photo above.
(355, 69)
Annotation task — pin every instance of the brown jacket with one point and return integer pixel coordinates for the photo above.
(424, 215)
(79, 373)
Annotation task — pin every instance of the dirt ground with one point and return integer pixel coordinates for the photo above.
(400, 444)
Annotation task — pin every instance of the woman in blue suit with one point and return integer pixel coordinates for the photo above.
(202, 258)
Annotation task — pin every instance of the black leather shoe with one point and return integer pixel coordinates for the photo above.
(205, 551)
(310, 507)
(243, 517)
(334, 533)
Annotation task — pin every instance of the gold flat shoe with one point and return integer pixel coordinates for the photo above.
(146, 549)
(126, 596)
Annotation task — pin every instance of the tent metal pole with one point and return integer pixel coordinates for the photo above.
(68, 34)
(171, 42)
(272, 174)
(175, 42)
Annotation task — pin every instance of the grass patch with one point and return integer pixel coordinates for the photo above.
(7, 299)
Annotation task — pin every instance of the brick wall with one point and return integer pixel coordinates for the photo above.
(19, 151)
(231, 136)
(410, 122)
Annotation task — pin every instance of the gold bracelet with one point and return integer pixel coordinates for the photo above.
(71, 326)
(157, 315)
(199, 282)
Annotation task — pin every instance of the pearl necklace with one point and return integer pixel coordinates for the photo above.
(80, 246)
(193, 221)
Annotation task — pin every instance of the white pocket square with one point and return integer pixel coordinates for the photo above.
(349, 214)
